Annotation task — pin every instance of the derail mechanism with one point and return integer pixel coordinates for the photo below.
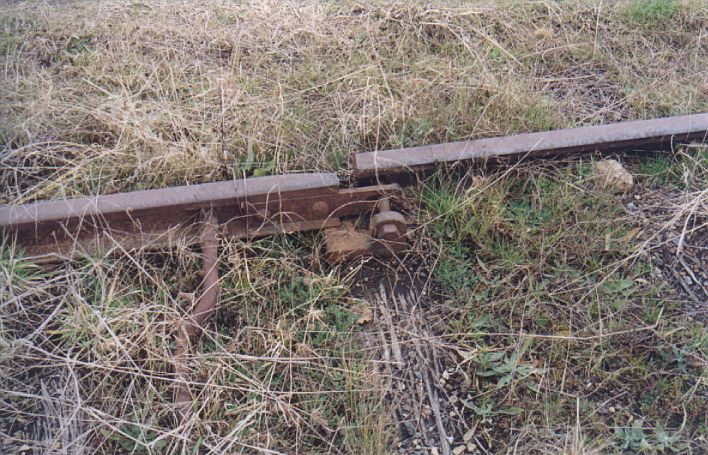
(198, 215)
(153, 219)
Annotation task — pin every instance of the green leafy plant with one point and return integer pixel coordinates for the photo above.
(487, 409)
(135, 439)
(636, 439)
(250, 167)
(79, 44)
(504, 367)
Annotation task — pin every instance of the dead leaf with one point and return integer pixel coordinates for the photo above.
(364, 311)
(466, 355)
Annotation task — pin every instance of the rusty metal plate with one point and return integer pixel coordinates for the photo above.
(619, 137)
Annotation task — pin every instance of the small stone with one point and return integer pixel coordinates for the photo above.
(434, 451)
(612, 176)
(612, 409)
(459, 450)
(471, 447)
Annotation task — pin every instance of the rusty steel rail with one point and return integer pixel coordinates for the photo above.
(261, 206)
(641, 135)
(246, 208)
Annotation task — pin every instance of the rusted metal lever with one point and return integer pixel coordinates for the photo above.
(206, 302)
(197, 214)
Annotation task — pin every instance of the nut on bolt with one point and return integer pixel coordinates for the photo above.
(388, 225)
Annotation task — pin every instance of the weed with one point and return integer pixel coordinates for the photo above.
(503, 368)
(78, 44)
(648, 13)
(414, 133)
(636, 439)
(135, 439)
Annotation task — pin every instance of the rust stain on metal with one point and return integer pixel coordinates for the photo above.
(636, 135)
(387, 235)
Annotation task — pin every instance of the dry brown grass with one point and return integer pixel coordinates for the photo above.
(104, 96)
(98, 97)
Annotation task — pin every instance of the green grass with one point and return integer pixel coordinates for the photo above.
(283, 344)
(648, 13)
(659, 171)
(541, 253)
(681, 171)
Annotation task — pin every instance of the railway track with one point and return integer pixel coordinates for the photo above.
(50, 231)
(256, 207)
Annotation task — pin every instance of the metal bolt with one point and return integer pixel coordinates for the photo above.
(384, 205)
(320, 208)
